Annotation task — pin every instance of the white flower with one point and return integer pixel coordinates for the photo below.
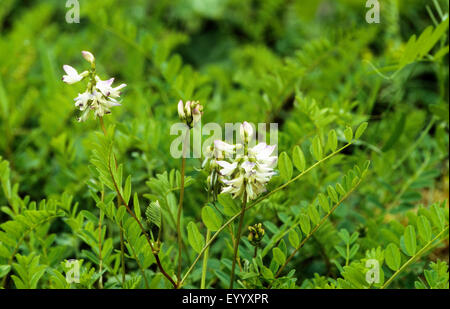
(104, 86)
(248, 173)
(227, 168)
(99, 96)
(262, 153)
(221, 146)
(88, 56)
(82, 100)
(72, 75)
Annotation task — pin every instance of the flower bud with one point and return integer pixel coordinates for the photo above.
(246, 132)
(181, 113)
(256, 234)
(88, 56)
(190, 113)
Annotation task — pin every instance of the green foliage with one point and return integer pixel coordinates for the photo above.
(362, 174)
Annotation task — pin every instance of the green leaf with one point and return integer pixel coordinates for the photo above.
(4, 270)
(299, 158)
(317, 148)
(305, 224)
(279, 256)
(437, 216)
(136, 206)
(230, 207)
(424, 228)
(266, 273)
(127, 190)
(313, 214)
(285, 166)
(362, 127)
(332, 141)
(294, 239)
(332, 194)
(196, 240)
(153, 213)
(323, 202)
(341, 189)
(212, 221)
(392, 257)
(348, 133)
(410, 240)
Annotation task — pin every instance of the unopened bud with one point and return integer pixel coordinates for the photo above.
(88, 56)
(246, 132)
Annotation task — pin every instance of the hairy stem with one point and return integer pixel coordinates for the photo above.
(238, 238)
(180, 205)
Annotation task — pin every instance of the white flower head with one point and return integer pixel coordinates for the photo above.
(247, 174)
(99, 96)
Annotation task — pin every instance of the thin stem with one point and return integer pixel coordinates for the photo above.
(180, 205)
(155, 254)
(122, 201)
(205, 263)
(102, 124)
(238, 238)
(122, 254)
(100, 264)
(208, 243)
(414, 257)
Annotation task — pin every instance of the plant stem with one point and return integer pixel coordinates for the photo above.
(205, 263)
(100, 264)
(414, 257)
(121, 200)
(102, 125)
(180, 205)
(238, 238)
(122, 254)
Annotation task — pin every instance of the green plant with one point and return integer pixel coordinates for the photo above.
(355, 194)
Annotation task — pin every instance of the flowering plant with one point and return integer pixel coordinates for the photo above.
(314, 146)
(99, 96)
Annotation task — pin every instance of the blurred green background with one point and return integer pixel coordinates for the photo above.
(307, 65)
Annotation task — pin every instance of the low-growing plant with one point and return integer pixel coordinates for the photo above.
(352, 195)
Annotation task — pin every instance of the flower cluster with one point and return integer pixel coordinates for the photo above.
(249, 172)
(190, 113)
(99, 96)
